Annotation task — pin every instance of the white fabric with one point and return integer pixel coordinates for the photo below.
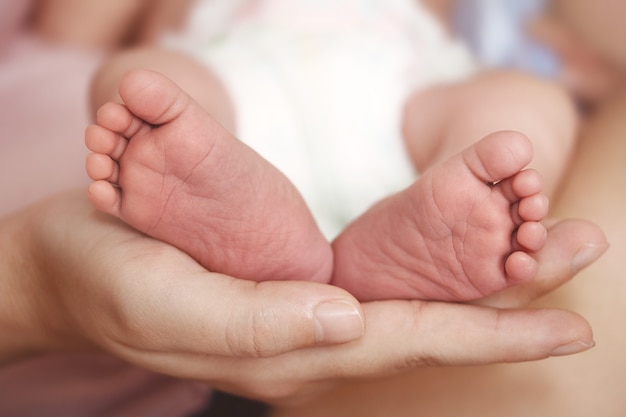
(319, 86)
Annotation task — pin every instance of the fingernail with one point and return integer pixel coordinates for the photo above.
(571, 348)
(588, 253)
(337, 322)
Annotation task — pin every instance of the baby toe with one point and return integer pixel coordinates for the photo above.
(102, 167)
(532, 236)
(105, 197)
(534, 208)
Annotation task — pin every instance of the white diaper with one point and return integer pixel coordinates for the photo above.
(319, 87)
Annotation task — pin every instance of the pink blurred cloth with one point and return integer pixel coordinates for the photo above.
(91, 384)
(13, 15)
(43, 115)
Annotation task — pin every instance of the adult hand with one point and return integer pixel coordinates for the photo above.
(573, 244)
(84, 280)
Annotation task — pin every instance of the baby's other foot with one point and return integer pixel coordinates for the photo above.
(166, 167)
(464, 230)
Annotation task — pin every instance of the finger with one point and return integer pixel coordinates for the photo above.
(571, 246)
(498, 156)
(412, 334)
(400, 336)
(185, 309)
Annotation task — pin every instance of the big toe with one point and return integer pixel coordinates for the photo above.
(152, 96)
(499, 155)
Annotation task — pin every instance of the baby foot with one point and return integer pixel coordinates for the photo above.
(464, 230)
(166, 167)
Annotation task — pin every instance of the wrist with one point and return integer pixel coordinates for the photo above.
(18, 273)
(31, 314)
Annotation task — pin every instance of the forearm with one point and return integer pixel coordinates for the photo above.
(443, 120)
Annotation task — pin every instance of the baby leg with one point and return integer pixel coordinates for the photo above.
(93, 24)
(442, 121)
(461, 232)
(165, 166)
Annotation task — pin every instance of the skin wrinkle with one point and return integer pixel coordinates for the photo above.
(167, 108)
(420, 359)
(256, 345)
(460, 253)
(435, 260)
(257, 321)
(163, 209)
(431, 215)
(432, 260)
(259, 345)
(462, 246)
(120, 146)
(512, 154)
(181, 181)
(451, 230)
(400, 258)
(460, 237)
(231, 334)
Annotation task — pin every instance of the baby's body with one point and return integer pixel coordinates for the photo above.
(466, 229)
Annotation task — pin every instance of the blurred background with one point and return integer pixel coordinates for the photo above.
(49, 50)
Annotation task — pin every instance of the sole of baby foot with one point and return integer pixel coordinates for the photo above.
(166, 167)
(466, 229)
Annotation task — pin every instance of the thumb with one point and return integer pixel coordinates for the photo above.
(213, 314)
(572, 245)
(268, 318)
